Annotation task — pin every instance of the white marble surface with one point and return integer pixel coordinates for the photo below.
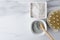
(15, 23)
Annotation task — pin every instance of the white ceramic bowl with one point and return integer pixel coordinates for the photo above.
(36, 29)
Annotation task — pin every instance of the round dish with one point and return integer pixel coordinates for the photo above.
(35, 27)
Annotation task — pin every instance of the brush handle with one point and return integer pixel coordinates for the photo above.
(47, 34)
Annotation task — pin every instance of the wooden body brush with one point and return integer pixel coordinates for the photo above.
(53, 19)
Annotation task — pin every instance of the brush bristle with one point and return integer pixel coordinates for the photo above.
(54, 19)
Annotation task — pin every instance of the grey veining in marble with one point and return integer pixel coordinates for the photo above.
(15, 22)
